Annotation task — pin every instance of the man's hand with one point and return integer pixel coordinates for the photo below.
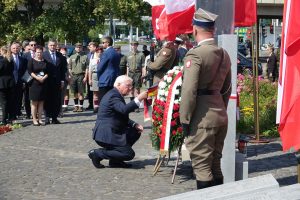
(186, 130)
(139, 128)
(142, 96)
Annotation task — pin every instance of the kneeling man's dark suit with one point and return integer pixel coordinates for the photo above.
(114, 130)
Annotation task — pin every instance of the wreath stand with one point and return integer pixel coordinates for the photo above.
(162, 156)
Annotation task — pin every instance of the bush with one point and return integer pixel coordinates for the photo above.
(267, 106)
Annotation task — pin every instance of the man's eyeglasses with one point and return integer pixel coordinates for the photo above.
(128, 85)
(32, 45)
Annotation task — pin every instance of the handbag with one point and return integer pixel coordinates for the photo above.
(27, 78)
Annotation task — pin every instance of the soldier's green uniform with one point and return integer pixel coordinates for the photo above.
(77, 65)
(205, 94)
(135, 63)
(123, 65)
(164, 61)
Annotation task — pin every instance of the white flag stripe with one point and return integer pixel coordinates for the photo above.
(173, 6)
(281, 87)
(155, 2)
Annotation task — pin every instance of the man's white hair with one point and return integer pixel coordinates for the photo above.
(122, 79)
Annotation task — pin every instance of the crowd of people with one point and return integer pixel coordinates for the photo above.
(55, 75)
(110, 76)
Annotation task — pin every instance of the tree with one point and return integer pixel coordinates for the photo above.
(70, 19)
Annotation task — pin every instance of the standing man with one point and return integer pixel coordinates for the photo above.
(78, 67)
(20, 66)
(272, 64)
(123, 61)
(108, 68)
(56, 67)
(135, 63)
(114, 131)
(205, 93)
(164, 61)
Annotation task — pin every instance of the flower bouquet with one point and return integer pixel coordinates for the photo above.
(166, 128)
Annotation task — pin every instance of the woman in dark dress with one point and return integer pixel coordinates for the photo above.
(7, 83)
(37, 68)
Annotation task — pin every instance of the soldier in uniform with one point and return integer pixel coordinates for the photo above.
(205, 94)
(135, 63)
(165, 60)
(78, 69)
(123, 61)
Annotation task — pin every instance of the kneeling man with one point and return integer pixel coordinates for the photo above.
(114, 131)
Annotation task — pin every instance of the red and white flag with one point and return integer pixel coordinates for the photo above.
(288, 103)
(158, 8)
(171, 17)
(179, 16)
(245, 13)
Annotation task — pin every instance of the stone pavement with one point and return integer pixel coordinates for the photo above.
(51, 162)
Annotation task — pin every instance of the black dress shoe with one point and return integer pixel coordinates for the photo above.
(95, 159)
(55, 121)
(47, 121)
(119, 164)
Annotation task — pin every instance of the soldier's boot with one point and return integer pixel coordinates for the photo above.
(75, 108)
(79, 109)
(204, 184)
(218, 181)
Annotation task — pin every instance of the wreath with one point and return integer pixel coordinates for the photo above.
(158, 112)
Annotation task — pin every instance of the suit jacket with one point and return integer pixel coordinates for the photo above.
(27, 55)
(108, 67)
(22, 68)
(113, 119)
(57, 71)
(6, 73)
(206, 67)
(272, 64)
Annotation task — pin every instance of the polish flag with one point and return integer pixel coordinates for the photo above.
(172, 17)
(245, 13)
(158, 15)
(179, 16)
(288, 102)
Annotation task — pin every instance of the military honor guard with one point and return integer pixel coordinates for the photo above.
(205, 94)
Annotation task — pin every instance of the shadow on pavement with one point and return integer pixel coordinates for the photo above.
(260, 149)
(272, 163)
(290, 180)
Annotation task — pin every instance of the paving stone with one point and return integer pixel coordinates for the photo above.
(38, 162)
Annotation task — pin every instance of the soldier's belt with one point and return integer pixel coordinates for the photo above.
(201, 92)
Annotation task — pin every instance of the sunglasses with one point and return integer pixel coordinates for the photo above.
(32, 44)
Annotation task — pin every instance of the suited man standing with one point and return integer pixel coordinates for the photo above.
(206, 89)
(108, 68)
(57, 68)
(20, 66)
(114, 131)
(272, 64)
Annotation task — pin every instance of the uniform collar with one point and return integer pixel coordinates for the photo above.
(207, 41)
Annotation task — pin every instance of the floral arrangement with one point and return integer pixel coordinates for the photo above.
(267, 105)
(176, 135)
(4, 129)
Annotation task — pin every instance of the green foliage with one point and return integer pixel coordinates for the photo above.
(71, 19)
(267, 106)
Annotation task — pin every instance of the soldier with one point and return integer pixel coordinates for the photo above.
(164, 61)
(123, 62)
(135, 64)
(79, 71)
(206, 90)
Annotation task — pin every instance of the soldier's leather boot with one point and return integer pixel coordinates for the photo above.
(218, 181)
(204, 184)
(75, 109)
